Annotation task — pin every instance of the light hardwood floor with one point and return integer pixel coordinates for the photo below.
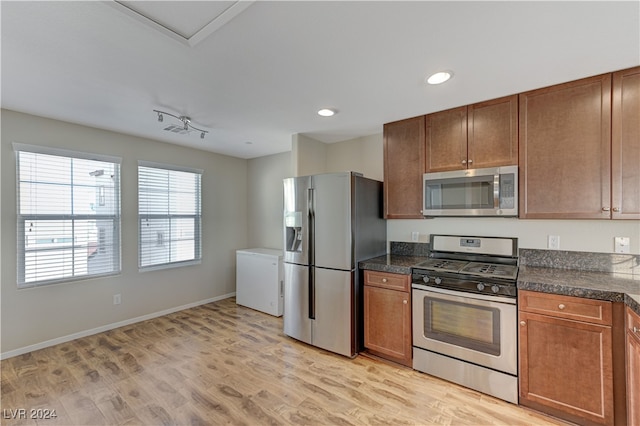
(225, 364)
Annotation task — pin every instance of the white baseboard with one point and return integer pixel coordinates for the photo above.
(85, 333)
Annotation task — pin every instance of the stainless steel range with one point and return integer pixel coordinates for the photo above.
(464, 313)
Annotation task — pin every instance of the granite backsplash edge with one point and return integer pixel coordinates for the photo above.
(584, 261)
(558, 259)
(402, 248)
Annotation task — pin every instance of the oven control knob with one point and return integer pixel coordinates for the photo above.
(438, 280)
(480, 286)
(495, 288)
(425, 279)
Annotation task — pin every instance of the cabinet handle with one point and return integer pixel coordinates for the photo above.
(464, 161)
(522, 323)
(384, 280)
(404, 302)
(470, 161)
(636, 329)
(561, 306)
(605, 209)
(616, 209)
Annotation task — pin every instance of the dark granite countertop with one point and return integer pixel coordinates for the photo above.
(394, 263)
(610, 286)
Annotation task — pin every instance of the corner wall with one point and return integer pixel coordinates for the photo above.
(266, 199)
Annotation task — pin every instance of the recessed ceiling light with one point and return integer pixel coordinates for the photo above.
(326, 112)
(440, 77)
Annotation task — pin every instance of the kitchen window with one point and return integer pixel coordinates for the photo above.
(169, 216)
(68, 206)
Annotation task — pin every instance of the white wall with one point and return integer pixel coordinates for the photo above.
(308, 156)
(362, 155)
(266, 199)
(36, 315)
(575, 235)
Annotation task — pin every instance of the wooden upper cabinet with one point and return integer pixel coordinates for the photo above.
(493, 133)
(565, 150)
(446, 140)
(403, 168)
(472, 137)
(625, 145)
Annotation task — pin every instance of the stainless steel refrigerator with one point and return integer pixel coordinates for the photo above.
(331, 222)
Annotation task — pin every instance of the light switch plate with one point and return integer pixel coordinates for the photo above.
(621, 244)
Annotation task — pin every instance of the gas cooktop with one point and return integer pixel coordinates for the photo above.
(481, 269)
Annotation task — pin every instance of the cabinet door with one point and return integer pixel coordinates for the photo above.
(387, 323)
(633, 368)
(565, 150)
(625, 145)
(567, 366)
(492, 134)
(446, 140)
(403, 168)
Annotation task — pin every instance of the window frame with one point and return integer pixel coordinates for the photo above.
(22, 219)
(197, 231)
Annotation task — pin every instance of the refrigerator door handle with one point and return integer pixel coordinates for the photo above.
(311, 225)
(311, 232)
(312, 292)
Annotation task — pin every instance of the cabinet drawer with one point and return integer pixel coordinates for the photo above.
(569, 307)
(387, 280)
(633, 323)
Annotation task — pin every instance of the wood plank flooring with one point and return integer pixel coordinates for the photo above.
(225, 364)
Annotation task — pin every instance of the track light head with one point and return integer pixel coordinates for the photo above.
(186, 123)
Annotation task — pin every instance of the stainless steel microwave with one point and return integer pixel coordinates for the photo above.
(473, 192)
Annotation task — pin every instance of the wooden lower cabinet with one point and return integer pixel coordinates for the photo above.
(387, 316)
(633, 368)
(566, 364)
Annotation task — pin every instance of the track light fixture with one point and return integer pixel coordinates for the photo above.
(186, 124)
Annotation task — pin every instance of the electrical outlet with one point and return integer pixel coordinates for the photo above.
(117, 299)
(621, 244)
(415, 236)
(553, 242)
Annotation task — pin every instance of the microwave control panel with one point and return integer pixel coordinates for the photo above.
(507, 191)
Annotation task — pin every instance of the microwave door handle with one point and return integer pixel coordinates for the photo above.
(496, 191)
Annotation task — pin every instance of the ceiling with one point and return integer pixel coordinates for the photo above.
(254, 73)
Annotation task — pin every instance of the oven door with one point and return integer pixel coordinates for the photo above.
(475, 328)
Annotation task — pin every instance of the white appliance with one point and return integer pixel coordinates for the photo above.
(259, 280)
(473, 192)
(331, 222)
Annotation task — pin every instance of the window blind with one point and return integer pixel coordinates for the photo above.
(169, 212)
(68, 215)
